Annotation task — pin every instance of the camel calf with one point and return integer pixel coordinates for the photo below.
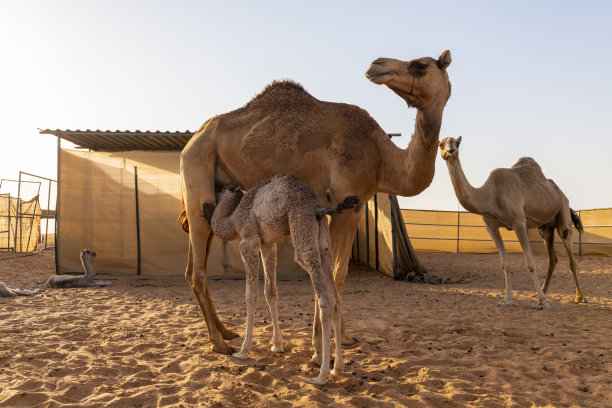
(274, 208)
(79, 281)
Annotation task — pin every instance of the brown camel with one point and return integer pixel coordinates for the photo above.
(336, 149)
(79, 281)
(277, 207)
(518, 198)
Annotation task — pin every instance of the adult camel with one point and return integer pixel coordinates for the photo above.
(336, 149)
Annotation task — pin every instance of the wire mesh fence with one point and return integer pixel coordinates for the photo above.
(27, 213)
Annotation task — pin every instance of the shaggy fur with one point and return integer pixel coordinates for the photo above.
(274, 208)
(79, 281)
(8, 292)
(518, 198)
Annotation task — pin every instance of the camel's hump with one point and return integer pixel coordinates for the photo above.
(527, 165)
(280, 92)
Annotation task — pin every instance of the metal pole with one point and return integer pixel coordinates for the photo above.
(367, 213)
(17, 213)
(8, 236)
(579, 237)
(137, 218)
(47, 219)
(393, 250)
(376, 228)
(57, 205)
(458, 226)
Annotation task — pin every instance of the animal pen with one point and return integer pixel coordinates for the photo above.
(27, 213)
(119, 192)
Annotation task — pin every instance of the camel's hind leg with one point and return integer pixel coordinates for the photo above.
(269, 258)
(249, 250)
(548, 236)
(564, 229)
(196, 196)
(521, 234)
(499, 244)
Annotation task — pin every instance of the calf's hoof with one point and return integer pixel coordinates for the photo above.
(505, 303)
(348, 341)
(277, 349)
(240, 355)
(580, 299)
(542, 306)
(318, 381)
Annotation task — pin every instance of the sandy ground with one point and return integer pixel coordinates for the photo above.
(142, 342)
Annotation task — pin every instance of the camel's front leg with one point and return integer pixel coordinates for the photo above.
(521, 234)
(499, 244)
(269, 257)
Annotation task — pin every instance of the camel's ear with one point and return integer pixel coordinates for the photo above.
(458, 140)
(445, 59)
(442, 142)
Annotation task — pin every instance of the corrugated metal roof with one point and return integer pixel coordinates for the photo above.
(121, 140)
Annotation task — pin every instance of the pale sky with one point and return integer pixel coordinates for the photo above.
(530, 78)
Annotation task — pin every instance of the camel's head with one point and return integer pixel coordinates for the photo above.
(87, 253)
(229, 192)
(420, 82)
(449, 147)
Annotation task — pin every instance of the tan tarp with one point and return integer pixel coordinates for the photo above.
(25, 229)
(97, 210)
(374, 230)
(462, 232)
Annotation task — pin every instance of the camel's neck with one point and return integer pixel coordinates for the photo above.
(408, 172)
(90, 272)
(222, 222)
(466, 194)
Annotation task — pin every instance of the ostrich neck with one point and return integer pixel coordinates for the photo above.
(408, 172)
(466, 194)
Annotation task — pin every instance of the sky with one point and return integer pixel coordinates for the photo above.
(529, 78)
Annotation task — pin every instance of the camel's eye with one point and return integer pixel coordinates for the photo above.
(420, 66)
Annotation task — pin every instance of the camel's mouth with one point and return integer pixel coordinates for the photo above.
(379, 79)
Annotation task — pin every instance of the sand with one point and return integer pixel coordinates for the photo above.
(142, 342)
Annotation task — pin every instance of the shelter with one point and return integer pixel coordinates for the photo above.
(119, 195)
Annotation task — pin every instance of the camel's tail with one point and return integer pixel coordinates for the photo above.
(182, 218)
(348, 202)
(576, 220)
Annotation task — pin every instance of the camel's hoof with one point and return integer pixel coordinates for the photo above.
(240, 356)
(580, 299)
(348, 341)
(277, 349)
(335, 371)
(223, 348)
(505, 303)
(316, 359)
(229, 334)
(542, 306)
(318, 381)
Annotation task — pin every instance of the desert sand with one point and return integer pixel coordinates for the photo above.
(142, 342)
